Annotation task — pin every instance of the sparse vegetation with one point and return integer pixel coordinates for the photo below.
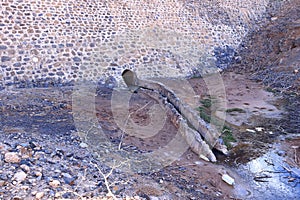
(227, 136)
(207, 102)
(203, 114)
(204, 111)
(270, 89)
(240, 110)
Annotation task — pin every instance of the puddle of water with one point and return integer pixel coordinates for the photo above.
(271, 178)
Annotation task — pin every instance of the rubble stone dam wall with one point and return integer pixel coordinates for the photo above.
(62, 41)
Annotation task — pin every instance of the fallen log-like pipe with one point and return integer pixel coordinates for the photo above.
(209, 134)
(191, 136)
(207, 131)
(183, 115)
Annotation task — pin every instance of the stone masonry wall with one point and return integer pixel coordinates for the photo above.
(58, 41)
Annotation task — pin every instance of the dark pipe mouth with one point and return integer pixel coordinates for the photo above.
(130, 78)
(127, 71)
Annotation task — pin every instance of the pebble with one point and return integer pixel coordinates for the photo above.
(2, 183)
(229, 180)
(39, 195)
(259, 129)
(35, 59)
(250, 130)
(153, 198)
(83, 145)
(281, 153)
(3, 147)
(12, 157)
(273, 18)
(20, 176)
(25, 167)
(68, 178)
(25, 187)
(38, 174)
(54, 183)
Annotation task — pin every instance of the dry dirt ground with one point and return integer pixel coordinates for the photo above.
(37, 125)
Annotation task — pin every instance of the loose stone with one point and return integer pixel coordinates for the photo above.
(54, 183)
(20, 176)
(12, 157)
(39, 195)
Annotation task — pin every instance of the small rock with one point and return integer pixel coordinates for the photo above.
(273, 18)
(281, 153)
(20, 176)
(259, 129)
(250, 130)
(2, 47)
(3, 147)
(32, 181)
(35, 59)
(67, 195)
(227, 179)
(57, 171)
(2, 183)
(127, 198)
(69, 179)
(25, 167)
(198, 163)
(76, 59)
(83, 145)
(54, 183)
(38, 174)
(12, 157)
(39, 195)
(25, 187)
(5, 58)
(153, 198)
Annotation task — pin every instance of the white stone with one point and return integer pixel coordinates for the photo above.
(83, 145)
(20, 176)
(273, 18)
(12, 157)
(54, 183)
(227, 179)
(250, 130)
(39, 195)
(259, 129)
(154, 198)
(35, 59)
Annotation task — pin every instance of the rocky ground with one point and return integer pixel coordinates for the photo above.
(43, 157)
